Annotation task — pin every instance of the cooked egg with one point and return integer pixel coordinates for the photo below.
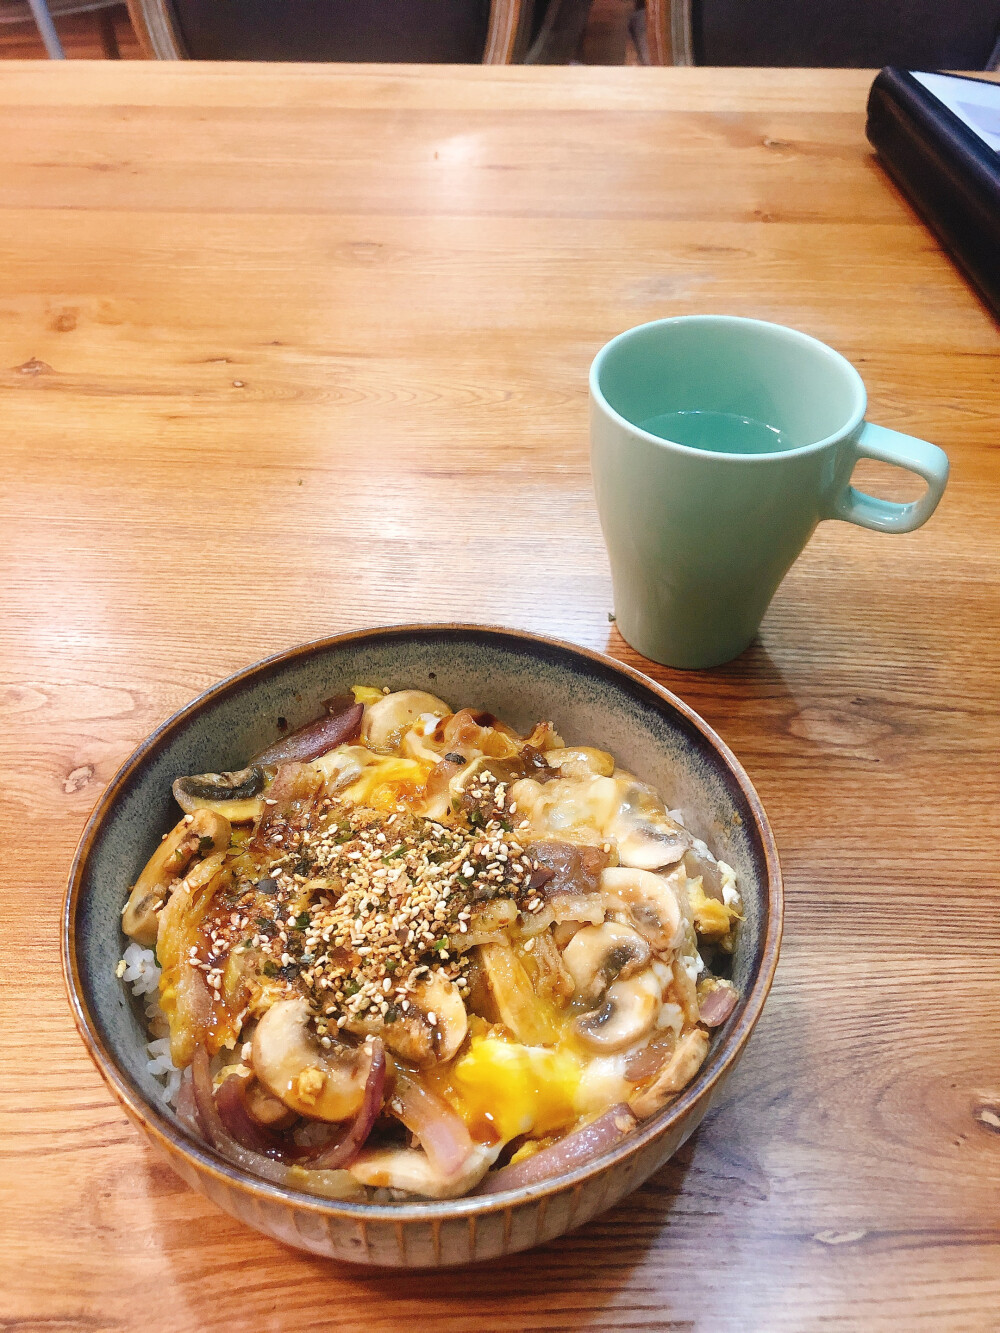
(503, 1089)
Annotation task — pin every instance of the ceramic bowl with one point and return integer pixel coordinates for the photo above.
(521, 678)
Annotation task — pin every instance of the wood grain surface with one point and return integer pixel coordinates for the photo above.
(287, 351)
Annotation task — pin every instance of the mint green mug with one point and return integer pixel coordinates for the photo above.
(717, 445)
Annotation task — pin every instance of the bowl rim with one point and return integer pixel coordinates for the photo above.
(170, 1138)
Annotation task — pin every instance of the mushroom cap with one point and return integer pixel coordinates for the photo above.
(646, 836)
(650, 900)
(413, 1035)
(289, 1061)
(627, 1014)
(598, 955)
(236, 795)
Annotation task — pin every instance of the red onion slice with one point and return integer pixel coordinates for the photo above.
(336, 1155)
(187, 1109)
(315, 738)
(717, 1005)
(330, 1158)
(231, 1103)
(569, 1153)
(216, 1133)
(441, 1131)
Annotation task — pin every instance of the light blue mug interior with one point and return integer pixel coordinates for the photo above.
(798, 388)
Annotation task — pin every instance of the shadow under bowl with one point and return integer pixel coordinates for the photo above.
(522, 678)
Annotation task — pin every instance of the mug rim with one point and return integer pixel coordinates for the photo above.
(854, 421)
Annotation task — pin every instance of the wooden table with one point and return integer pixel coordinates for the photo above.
(288, 351)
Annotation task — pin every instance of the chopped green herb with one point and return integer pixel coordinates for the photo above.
(392, 964)
(391, 1014)
(270, 969)
(301, 922)
(351, 988)
(206, 845)
(394, 855)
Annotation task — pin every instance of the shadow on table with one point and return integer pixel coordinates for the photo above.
(582, 1272)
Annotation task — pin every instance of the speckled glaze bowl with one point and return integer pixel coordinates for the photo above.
(521, 678)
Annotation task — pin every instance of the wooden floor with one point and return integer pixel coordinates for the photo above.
(606, 41)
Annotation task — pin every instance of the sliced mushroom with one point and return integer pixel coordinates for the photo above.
(386, 720)
(650, 901)
(265, 1108)
(430, 1031)
(598, 955)
(236, 795)
(410, 1169)
(647, 847)
(185, 843)
(646, 837)
(628, 1012)
(680, 1069)
(290, 1063)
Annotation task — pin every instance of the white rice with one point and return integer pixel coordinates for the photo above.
(143, 975)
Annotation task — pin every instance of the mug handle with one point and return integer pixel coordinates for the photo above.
(889, 446)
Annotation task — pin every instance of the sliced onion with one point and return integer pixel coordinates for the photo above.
(341, 1152)
(566, 1155)
(217, 1134)
(330, 1158)
(187, 1110)
(717, 1005)
(231, 1103)
(315, 738)
(441, 1131)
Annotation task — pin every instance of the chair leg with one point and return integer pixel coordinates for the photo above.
(109, 35)
(560, 33)
(43, 19)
